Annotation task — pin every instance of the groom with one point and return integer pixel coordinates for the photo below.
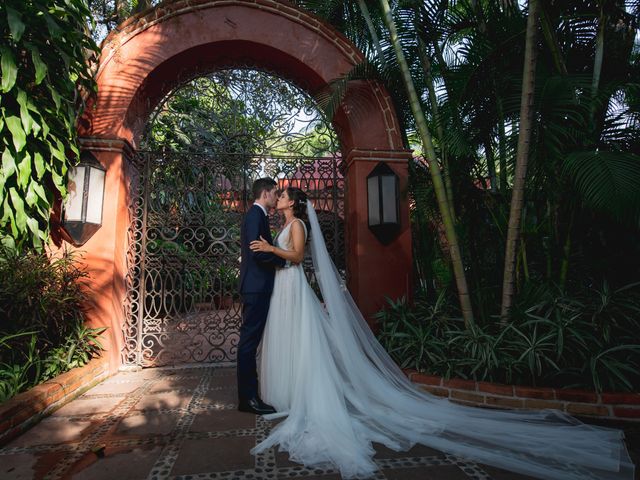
(257, 271)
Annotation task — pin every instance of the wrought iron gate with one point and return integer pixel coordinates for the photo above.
(187, 202)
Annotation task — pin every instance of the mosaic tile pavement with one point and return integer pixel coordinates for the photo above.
(181, 423)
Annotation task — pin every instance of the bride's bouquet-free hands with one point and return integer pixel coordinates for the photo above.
(261, 246)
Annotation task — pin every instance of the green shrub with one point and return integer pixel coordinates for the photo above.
(587, 340)
(42, 322)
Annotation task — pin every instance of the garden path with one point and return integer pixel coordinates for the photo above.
(182, 423)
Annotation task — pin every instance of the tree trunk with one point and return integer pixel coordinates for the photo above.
(597, 71)
(372, 31)
(434, 170)
(599, 56)
(524, 138)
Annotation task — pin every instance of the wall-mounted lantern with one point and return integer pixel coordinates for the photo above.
(82, 210)
(383, 199)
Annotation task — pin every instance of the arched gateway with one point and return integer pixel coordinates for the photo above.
(153, 53)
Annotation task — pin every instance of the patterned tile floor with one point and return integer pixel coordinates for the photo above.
(181, 423)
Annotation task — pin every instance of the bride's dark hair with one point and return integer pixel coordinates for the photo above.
(299, 204)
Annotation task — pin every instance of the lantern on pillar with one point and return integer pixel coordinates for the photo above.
(383, 199)
(82, 210)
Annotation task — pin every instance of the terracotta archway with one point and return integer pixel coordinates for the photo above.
(152, 53)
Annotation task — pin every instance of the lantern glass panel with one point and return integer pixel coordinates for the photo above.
(73, 202)
(96, 190)
(389, 210)
(373, 200)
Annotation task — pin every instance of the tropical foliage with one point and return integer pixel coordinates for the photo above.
(108, 14)
(571, 216)
(42, 321)
(45, 65)
(553, 339)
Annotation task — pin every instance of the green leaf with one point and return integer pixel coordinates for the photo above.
(8, 68)
(607, 181)
(8, 163)
(55, 96)
(40, 191)
(57, 150)
(45, 128)
(73, 147)
(24, 171)
(33, 225)
(54, 28)
(35, 128)
(18, 207)
(25, 116)
(58, 181)
(40, 66)
(31, 197)
(18, 136)
(38, 162)
(8, 217)
(16, 25)
(9, 243)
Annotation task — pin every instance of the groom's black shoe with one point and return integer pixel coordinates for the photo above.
(255, 405)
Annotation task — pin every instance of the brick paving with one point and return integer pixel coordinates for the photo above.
(181, 423)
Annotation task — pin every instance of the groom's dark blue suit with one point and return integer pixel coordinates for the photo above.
(257, 272)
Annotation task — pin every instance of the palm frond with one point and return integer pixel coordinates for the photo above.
(607, 181)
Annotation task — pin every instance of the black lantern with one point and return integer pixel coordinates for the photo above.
(384, 203)
(82, 211)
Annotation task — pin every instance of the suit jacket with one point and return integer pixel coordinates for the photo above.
(257, 269)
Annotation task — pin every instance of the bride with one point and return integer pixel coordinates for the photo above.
(323, 369)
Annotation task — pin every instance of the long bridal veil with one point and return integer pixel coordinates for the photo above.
(381, 405)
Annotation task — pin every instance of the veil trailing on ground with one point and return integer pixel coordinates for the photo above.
(384, 406)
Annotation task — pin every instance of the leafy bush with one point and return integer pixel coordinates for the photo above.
(587, 340)
(40, 292)
(45, 58)
(42, 331)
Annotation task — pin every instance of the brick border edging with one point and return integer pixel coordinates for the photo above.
(27, 408)
(619, 406)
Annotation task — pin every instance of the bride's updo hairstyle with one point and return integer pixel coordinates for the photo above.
(299, 203)
(299, 206)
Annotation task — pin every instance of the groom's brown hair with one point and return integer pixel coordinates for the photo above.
(262, 184)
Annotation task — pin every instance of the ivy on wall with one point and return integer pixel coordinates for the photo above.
(45, 57)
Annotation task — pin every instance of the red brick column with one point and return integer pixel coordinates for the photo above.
(104, 253)
(376, 270)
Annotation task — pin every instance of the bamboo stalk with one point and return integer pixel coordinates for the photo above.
(434, 170)
(522, 158)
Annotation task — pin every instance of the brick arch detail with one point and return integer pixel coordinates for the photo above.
(152, 53)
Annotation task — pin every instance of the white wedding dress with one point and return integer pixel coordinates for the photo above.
(340, 391)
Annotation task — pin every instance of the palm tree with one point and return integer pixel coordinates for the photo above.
(461, 57)
(524, 138)
(434, 169)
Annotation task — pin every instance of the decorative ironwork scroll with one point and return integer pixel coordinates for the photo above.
(205, 145)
